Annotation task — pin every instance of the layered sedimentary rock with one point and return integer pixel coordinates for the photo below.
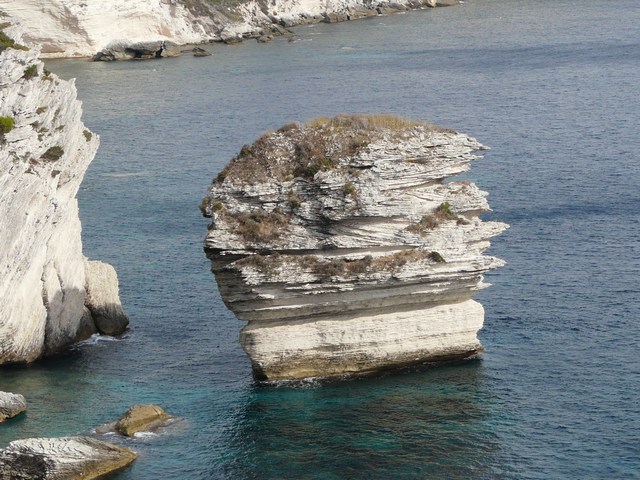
(44, 152)
(345, 250)
(68, 28)
(66, 458)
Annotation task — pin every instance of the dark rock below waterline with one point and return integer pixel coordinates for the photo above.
(11, 404)
(65, 458)
(137, 51)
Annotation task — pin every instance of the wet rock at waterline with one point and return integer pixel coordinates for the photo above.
(341, 245)
(11, 405)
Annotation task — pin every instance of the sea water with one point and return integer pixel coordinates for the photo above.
(551, 86)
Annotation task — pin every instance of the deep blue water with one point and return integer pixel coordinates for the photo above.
(552, 87)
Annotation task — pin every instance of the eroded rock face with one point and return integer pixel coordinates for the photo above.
(43, 157)
(11, 405)
(341, 245)
(66, 458)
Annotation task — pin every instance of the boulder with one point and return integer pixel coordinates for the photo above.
(66, 458)
(200, 52)
(103, 300)
(11, 404)
(122, 50)
(141, 418)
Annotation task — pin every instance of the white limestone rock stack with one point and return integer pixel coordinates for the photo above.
(44, 152)
(340, 244)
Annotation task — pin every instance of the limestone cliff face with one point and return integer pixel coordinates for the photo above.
(44, 152)
(81, 28)
(345, 250)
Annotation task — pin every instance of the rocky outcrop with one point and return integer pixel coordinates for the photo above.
(66, 458)
(116, 29)
(345, 250)
(43, 158)
(121, 50)
(11, 405)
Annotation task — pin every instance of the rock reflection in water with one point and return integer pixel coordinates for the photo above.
(419, 423)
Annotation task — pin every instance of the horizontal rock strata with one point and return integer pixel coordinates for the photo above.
(44, 152)
(121, 29)
(341, 244)
(66, 458)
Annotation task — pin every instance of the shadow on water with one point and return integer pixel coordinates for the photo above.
(419, 423)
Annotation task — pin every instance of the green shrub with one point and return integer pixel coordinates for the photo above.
(30, 72)
(88, 135)
(6, 124)
(436, 257)
(429, 222)
(53, 154)
(8, 42)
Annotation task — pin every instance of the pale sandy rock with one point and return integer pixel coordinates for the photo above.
(66, 458)
(345, 250)
(141, 418)
(42, 163)
(82, 28)
(103, 300)
(11, 404)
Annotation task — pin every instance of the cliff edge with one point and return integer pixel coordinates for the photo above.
(341, 245)
(50, 294)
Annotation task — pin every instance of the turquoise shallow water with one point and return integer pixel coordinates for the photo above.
(550, 86)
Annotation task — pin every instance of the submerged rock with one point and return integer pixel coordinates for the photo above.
(43, 157)
(342, 247)
(11, 405)
(66, 458)
(200, 52)
(141, 418)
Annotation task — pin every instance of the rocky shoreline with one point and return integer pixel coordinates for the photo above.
(155, 29)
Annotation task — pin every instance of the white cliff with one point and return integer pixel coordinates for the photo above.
(82, 28)
(44, 152)
(340, 244)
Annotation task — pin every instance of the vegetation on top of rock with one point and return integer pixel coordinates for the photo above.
(260, 226)
(30, 72)
(53, 153)
(8, 42)
(327, 268)
(6, 125)
(432, 220)
(301, 150)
